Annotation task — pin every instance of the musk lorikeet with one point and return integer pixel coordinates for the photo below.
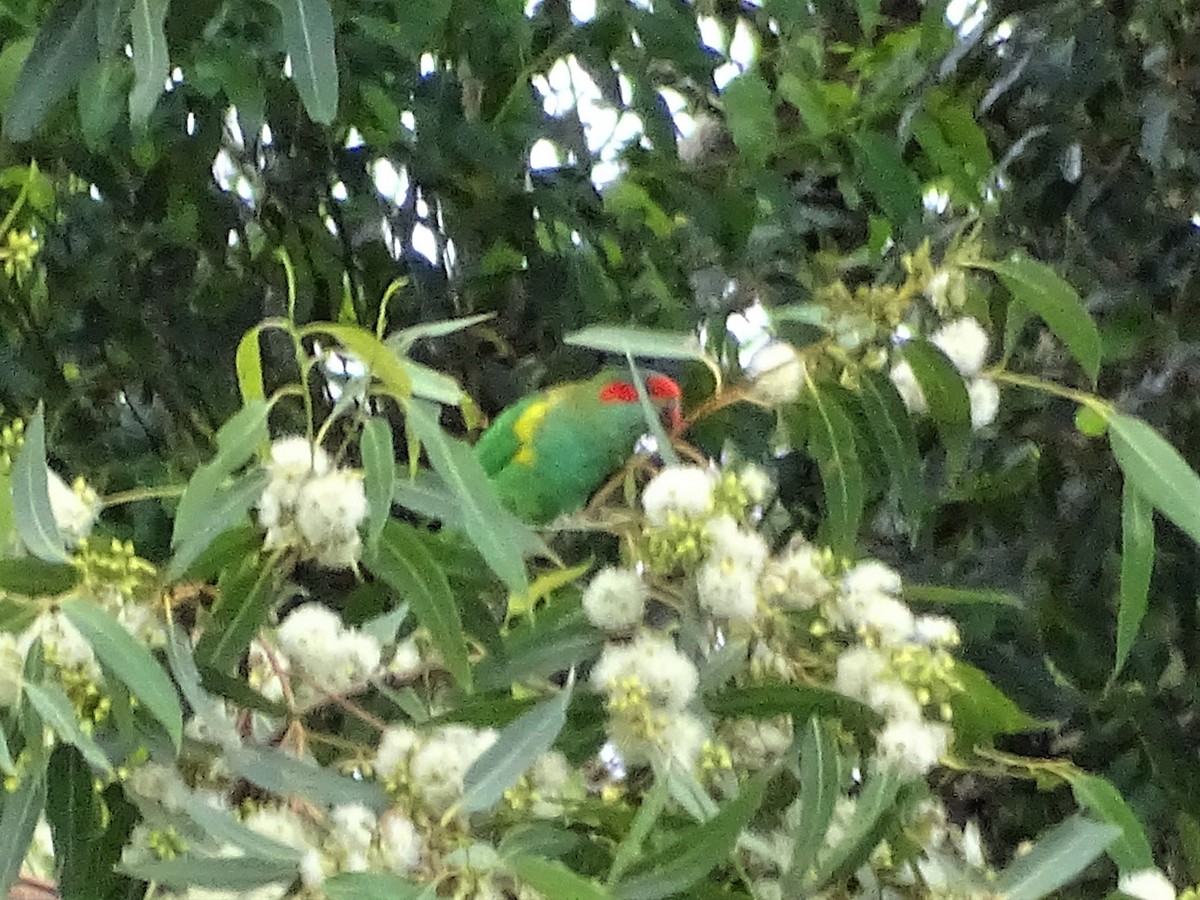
(549, 452)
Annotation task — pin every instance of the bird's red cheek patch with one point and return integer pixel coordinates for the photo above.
(618, 392)
(663, 388)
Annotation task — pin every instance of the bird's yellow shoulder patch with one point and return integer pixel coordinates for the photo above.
(526, 427)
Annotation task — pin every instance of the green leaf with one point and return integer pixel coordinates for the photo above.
(630, 848)
(540, 648)
(1060, 854)
(646, 343)
(379, 474)
(517, 747)
(246, 596)
(65, 48)
(982, 711)
(948, 596)
(100, 98)
(882, 169)
(1157, 471)
(380, 359)
(237, 441)
(372, 886)
(283, 774)
(1040, 289)
(248, 361)
(1137, 562)
(750, 115)
(805, 94)
(430, 384)
(550, 878)
(831, 442)
(151, 59)
(219, 873)
(1131, 851)
(868, 15)
(696, 851)
(56, 711)
(946, 394)
(76, 815)
(19, 814)
(308, 39)
(763, 701)
(893, 429)
(221, 511)
(7, 766)
(454, 461)
(820, 786)
(864, 830)
(401, 341)
(31, 495)
(222, 826)
(12, 59)
(32, 577)
(130, 662)
(405, 563)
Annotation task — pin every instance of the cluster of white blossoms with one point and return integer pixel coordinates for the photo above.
(317, 654)
(965, 344)
(75, 507)
(648, 685)
(311, 506)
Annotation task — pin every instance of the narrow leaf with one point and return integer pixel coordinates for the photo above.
(697, 851)
(19, 813)
(380, 359)
(1131, 851)
(1059, 855)
(750, 115)
(379, 474)
(276, 771)
(66, 47)
(946, 394)
(863, 831)
(31, 495)
(550, 878)
(56, 711)
(1040, 289)
(517, 747)
(130, 662)
(882, 169)
(1157, 471)
(246, 598)
(32, 577)
(403, 561)
(820, 787)
(481, 510)
(308, 38)
(893, 429)
(832, 443)
(151, 59)
(1137, 561)
(639, 342)
(647, 815)
(372, 886)
(224, 510)
(248, 361)
(401, 341)
(219, 873)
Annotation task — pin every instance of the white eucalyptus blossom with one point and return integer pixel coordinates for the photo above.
(777, 374)
(909, 389)
(985, 402)
(615, 600)
(913, 746)
(74, 508)
(400, 845)
(329, 510)
(965, 344)
(680, 490)
(1146, 884)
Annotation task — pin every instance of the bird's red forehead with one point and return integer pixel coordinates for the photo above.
(659, 387)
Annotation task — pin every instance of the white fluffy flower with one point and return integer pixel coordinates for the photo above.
(985, 402)
(437, 767)
(615, 599)
(329, 510)
(893, 701)
(757, 743)
(335, 658)
(727, 591)
(683, 490)
(312, 869)
(777, 374)
(399, 843)
(797, 579)
(667, 675)
(64, 645)
(736, 547)
(1147, 884)
(12, 663)
(858, 668)
(406, 662)
(908, 387)
(965, 344)
(755, 482)
(308, 630)
(294, 459)
(880, 614)
(871, 576)
(353, 830)
(74, 508)
(395, 749)
(550, 777)
(683, 740)
(935, 631)
(913, 746)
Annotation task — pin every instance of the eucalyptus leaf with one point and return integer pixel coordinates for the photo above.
(222, 873)
(1137, 562)
(1157, 471)
(32, 512)
(130, 662)
(832, 443)
(1130, 851)
(309, 39)
(57, 711)
(644, 343)
(20, 810)
(820, 786)
(1059, 855)
(379, 474)
(151, 58)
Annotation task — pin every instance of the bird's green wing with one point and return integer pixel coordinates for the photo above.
(499, 444)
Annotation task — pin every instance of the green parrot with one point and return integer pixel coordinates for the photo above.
(549, 452)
